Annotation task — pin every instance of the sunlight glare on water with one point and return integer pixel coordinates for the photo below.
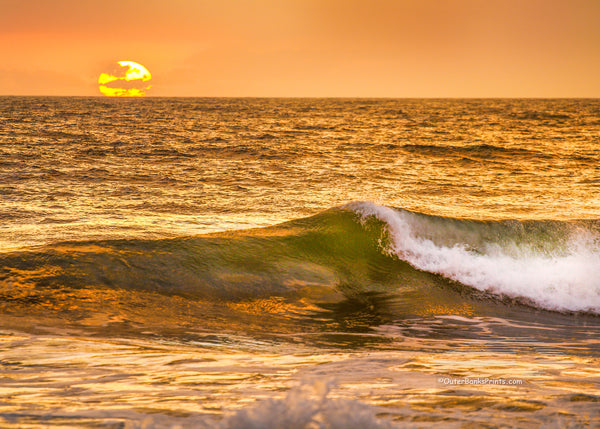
(426, 245)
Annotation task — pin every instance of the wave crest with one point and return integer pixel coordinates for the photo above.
(558, 271)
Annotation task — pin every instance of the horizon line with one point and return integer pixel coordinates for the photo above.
(320, 97)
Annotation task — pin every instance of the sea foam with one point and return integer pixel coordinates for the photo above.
(307, 406)
(565, 280)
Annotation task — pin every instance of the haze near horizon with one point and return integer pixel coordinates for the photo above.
(306, 48)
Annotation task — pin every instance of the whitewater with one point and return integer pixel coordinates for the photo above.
(563, 280)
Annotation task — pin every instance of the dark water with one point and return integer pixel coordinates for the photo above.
(134, 294)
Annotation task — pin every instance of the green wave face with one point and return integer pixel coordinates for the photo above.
(315, 251)
(356, 265)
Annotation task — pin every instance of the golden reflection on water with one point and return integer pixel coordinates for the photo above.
(93, 380)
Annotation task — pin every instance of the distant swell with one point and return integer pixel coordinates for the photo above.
(483, 151)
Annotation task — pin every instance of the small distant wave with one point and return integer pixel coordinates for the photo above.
(167, 153)
(540, 116)
(482, 151)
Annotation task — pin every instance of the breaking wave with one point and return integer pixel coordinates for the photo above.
(554, 265)
(345, 253)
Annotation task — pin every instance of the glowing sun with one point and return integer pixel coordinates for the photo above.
(126, 79)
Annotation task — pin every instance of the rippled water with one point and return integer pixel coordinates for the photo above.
(90, 167)
(133, 294)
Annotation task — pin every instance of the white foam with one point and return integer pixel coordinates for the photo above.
(566, 281)
(307, 406)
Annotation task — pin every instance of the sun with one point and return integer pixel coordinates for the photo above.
(126, 79)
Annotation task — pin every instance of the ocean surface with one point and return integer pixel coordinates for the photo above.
(299, 263)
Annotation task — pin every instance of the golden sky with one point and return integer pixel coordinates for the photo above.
(306, 48)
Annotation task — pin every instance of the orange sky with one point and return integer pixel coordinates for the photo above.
(345, 48)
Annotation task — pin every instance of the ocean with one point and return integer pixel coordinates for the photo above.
(299, 263)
